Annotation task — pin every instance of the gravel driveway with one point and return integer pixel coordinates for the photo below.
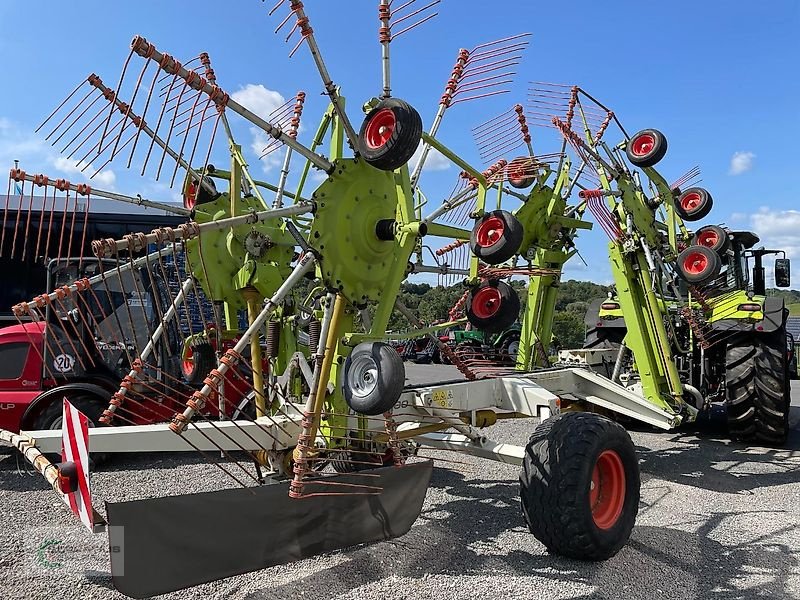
(717, 520)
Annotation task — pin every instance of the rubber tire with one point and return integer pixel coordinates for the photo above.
(698, 213)
(405, 139)
(203, 360)
(707, 276)
(505, 316)
(555, 483)
(723, 239)
(505, 347)
(525, 181)
(652, 157)
(504, 248)
(757, 388)
(89, 405)
(604, 337)
(391, 378)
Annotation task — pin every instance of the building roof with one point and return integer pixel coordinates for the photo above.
(793, 327)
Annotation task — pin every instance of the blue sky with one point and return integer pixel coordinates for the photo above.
(718, 78)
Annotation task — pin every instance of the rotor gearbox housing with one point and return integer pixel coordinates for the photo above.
(349, 206)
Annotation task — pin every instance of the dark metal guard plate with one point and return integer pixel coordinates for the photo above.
(172, 543)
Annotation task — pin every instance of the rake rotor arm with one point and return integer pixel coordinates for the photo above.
(147, 50)
(27, 308)
(135, 371)
(111, 96)
(331, 88)
(85, 190)
(304, 265)
(108, 247)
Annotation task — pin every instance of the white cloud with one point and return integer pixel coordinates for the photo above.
(34, 154)
(104, 179)
(778, 229)
(258, 99)
(741, 162)
(262, 102)
(436, 161)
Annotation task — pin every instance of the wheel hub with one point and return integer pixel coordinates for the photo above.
(643, 145)
(350, 203)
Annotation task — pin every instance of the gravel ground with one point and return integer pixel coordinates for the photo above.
(717, 520)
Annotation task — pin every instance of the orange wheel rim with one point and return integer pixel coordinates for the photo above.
(607, 492)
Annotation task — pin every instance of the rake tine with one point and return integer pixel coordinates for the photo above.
(77, 118)
(143, 115)
(119, 87)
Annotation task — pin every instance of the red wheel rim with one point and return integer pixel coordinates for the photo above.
(490, 232)
(691, 201)
(190, 198)
(695, 263)
(607, 491)
(643, 145)
(380, 128)
(187, 364)
(708, 238)
(486, 302)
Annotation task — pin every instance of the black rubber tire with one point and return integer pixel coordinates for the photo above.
(89, 405)
(714, 237)
(653, 155)
(389, 377)
(516, 172)
(497, 317)
(757, 388)
(700, 211)
(713, 265)
(506, 246)
(203, 360)
(604, 337)
(507, 351)
(403, 142)
(555, 485)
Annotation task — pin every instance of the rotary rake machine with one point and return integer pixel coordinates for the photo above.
(266, 313)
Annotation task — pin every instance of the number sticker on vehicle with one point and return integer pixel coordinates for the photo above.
(63, 363)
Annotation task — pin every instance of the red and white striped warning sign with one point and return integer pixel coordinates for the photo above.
(75, 448)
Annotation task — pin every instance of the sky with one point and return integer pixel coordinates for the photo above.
(719, 78)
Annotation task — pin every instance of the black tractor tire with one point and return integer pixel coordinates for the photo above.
(757, 388)
(199, 365)
(374, 377)
(493, 306)
(568, 457)
(509, 347)
(520, 172)
(390, 134)
(714, 237)
(698, 265)
(646, 148)
(496, 237)
(90, 405)
(694, 204)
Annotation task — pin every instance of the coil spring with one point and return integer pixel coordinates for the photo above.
(273, 338)
(314, 333)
